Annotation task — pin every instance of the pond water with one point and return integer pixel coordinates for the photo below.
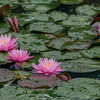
(58, 29)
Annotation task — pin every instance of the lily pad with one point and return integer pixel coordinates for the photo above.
(45, 27)
(80, 88)
(82, 33)
(76, 21)
(81, 65)
(39, 81)
(71, 55)
(58, 15)
(4, 30)
(89, 10)
(21, 74)
(4, 60)
(56, 43)
(32, 42)
(93, 52)
(52, 54)
(71, 1)
(4, 10)
(77, 45)
(41, 7)
(6, 76)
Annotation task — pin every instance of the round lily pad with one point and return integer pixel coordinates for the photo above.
(80, 88)
(82, 33)
(71, 55)
(4, 60)
(52, 54)
(39, 81)
(15, 92)
(89, 10)
(81, 65)
(58, 15)
(71, 1)
(57, 43)
(45, 27)
(93, 52)
(76, 21)
(32, 42)
(4, 30)
(41, 7)
(21, 74)
(6, 76)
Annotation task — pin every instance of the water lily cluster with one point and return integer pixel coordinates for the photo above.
(46, 66)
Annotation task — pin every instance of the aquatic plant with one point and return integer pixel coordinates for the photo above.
(14, 24)
(19, 55)
(47, 66)
(7, 44)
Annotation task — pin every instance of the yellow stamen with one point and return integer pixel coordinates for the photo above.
(2, 42)
(47, 64)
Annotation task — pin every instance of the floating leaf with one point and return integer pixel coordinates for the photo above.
(4, 10)
(6, 76)
(71, 55)
(89, 10)
(80, 88)
(58, 15)
(4, 60)
(82, 33)
(41, 7)
(76, 21)
(56, 43)
(81, 65)
(45, 27)
(52, 54)
(77, 45)
(93, 52)
(21, 74)
(39, 81)
(71, 1)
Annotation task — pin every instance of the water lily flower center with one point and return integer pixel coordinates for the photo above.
(47, 64)
(2, 42)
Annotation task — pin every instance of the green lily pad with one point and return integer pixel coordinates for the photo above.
(45, 27)
(58, 15)
(82, 33)
(36, 1)
(93, 52)
(56, 43)
(89, 10)
(4, 60)
(4, 23)
(32, 42)
(71, 44)
(15, 92)
(41, 7)
(77, 45)
(21, 74)
(60, 56)
(71, 55)
(52, 54)
(4, 30)
(80, 88)
(81, 65)
(76, 21)
(39, 81)
(71, 1)
(6, 76)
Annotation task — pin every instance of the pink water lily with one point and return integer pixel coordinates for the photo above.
(7, 44)
(14, 24)
(48, 67)
(19, 55)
